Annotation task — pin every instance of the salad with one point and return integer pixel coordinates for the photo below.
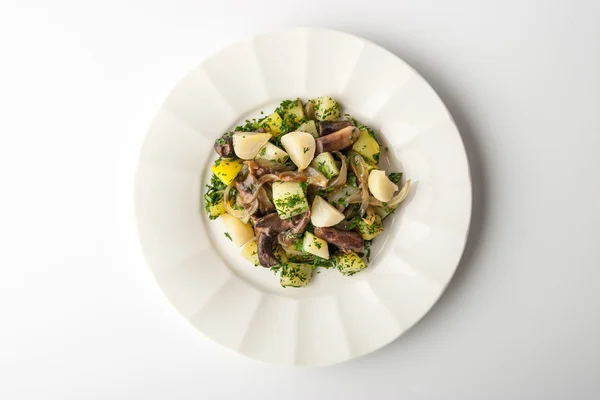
(301, 189)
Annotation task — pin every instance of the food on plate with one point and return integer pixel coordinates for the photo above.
(302, 189)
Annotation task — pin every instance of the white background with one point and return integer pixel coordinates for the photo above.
(82, 318)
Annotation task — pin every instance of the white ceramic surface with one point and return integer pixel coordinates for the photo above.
(336, 318)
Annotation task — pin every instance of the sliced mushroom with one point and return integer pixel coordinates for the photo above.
(260, 167)
(246, 187)
(339, 140)
(292, 176)
(271, 224)
(344, 240)
(309, 109)
(285, 230)
(265, 205)
(224, 145)
(265, 251)
(328, 127)
(289, 236)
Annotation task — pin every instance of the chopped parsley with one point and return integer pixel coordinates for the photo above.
(298, 245)
(395, 177)
(351, 179)
(376, 157)
(284, 106)
(228, 236)
(213, 195)
(224, 139)
(249, 126)
(305, 149)
(368, 249)
(323, 262)
(295, 274)
(289, 202)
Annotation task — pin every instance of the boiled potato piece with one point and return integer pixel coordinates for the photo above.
(250, 252)
(380, 185)
(227, 169)
(214, 210)
(272, 124)
(314, 245)
(280, 254)
(367, 146)
(339, 197)
(309, 127)
(247, 144)
(296, 275)
(294, 114)
(289, 199)
(301, 148)
(349, 263)
(324, 214)
(371, 225)
(325, 163)
(326, 109)
(370, 167)
(240, 232)
(272, 153)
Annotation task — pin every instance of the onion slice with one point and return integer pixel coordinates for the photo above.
(263, 179)
(397, 199)
(359, 167)
(340, 180)
(244, 214)
(314, 177)
(290, 250)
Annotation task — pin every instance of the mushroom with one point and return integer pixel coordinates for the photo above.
(258, 167)
(338, 140)
(309, 109)
(344, 240)
(265, 205)
(271, 224)
(270, 227)
(328, 127)
(245, 187)
(265, 251)
(224, 145)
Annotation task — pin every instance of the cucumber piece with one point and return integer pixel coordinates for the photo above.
(349, 263)
(309, 127)
(272, 153)
(289, 199)
(325, 163)
(296, 275)
(367, 146)
(326, 109)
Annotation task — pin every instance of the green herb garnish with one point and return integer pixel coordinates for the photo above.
(395, 177)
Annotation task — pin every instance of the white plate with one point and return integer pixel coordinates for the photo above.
(336, 318)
